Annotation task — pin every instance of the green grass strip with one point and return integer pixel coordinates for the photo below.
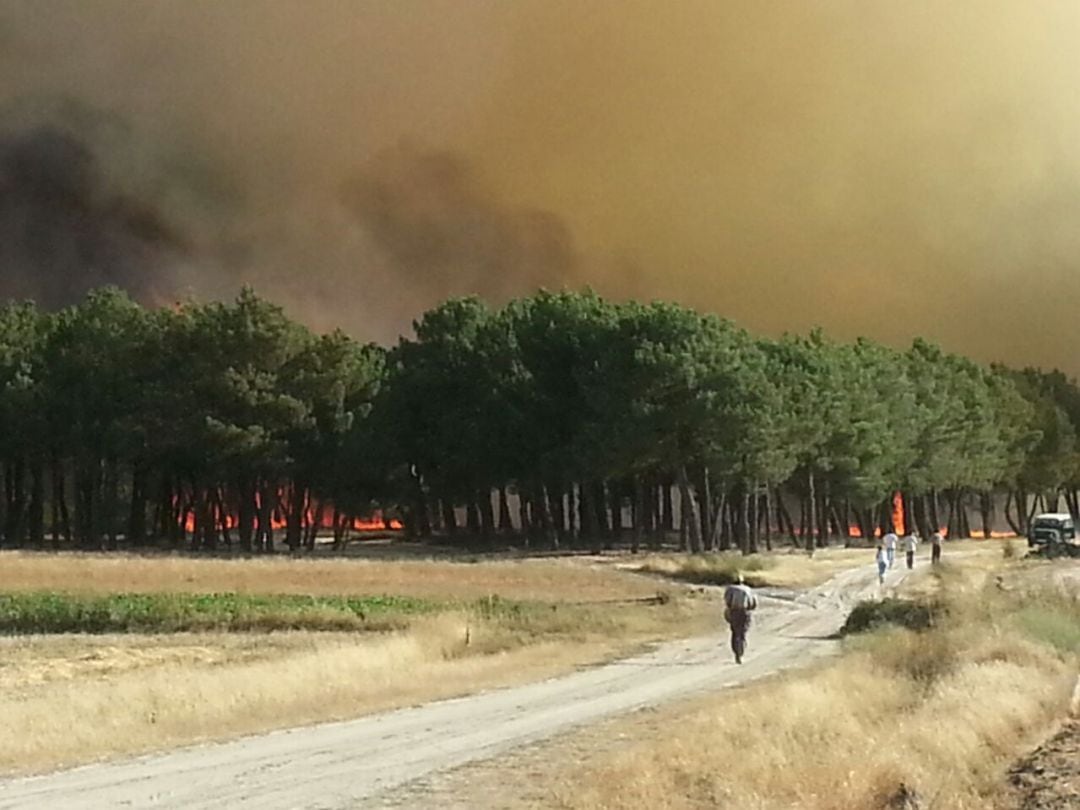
(53, 612)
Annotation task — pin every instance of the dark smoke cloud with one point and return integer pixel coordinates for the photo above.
(64, 230)
(445, 235)
(887, 169)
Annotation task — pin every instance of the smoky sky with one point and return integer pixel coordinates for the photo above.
(64, 230)
(878, 168)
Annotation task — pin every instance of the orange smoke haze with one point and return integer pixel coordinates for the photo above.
(887, 169)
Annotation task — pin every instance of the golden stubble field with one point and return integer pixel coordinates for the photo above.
(77, 698)
(73, 698)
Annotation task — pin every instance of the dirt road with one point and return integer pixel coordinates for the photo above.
(342, 765)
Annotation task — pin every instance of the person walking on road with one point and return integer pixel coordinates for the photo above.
(911, 542)
(890, 546)
(882, 563)
(935, 548)
(739, 602)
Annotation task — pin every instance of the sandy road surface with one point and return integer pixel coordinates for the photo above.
(346, 765)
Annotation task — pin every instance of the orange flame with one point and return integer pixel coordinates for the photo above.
(898, 513)
(375, 522)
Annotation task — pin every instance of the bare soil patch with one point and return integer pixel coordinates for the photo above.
(1049, 779)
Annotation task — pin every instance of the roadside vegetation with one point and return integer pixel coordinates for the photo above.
(788, 568)
(926, 717)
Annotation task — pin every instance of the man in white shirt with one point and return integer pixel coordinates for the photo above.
(739, 602)
(911, 541)
(889, 541)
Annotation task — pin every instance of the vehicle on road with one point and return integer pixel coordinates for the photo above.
(1053, 534)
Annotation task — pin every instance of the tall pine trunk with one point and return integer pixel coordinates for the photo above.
(36, 512)
(506, 524)
(689, 516)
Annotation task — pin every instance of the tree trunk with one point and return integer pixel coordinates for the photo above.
(719, 537)
(965, 520)
(136, 522)
(1070, 502)
(294, 516)
(551, 539)
(950, 520)
(111, 500)
(613, 490)
(316, 524)
(589, 519)
(15, 498)
(340, 526)
(706, 506)
(745, 525)
(784, 517)
(935, 511)
(986, 509)
(523, 513)
(573, 515)
(506, 524)
(487, 514)
(638, 511)
(811, 537)
(136, 513)
(656, 517)
(56, 477)
(449, 516)
(245, 513)
(264, 537)
(558, 512)
(768, 518)
(668, 504)
(421, 517)
(599, 494)
(36, 516)
(688, 513)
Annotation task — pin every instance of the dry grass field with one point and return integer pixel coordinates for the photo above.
(932, 719)
(76, 698)
(928, 720)
(540, 579)
(81, 697)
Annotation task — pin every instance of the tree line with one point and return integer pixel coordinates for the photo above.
(561, 419)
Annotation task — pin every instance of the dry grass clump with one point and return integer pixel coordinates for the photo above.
(545, 580)
(933, 716)
(789, 568)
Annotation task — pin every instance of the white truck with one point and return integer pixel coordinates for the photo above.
(1053, 534)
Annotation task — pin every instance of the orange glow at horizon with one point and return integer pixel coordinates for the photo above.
(277, 521)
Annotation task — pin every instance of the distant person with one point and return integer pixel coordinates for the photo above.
(911, 542)
(890, 546)
(882, 563)
(739, 603)
(935, 548)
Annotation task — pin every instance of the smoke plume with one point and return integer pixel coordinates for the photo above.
(64, 231)
(442, 233)
(887, 169)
